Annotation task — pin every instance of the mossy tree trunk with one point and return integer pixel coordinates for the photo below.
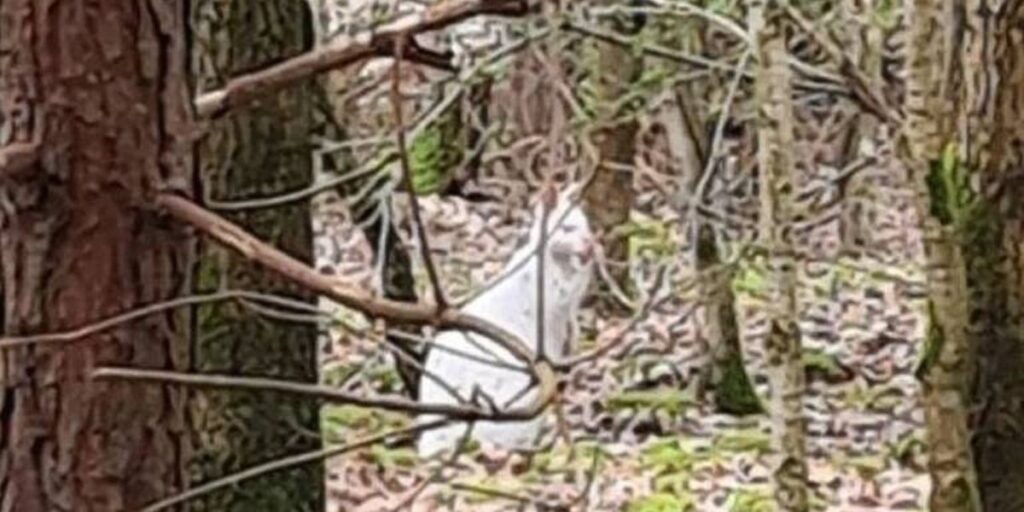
(259, 151)
(776, 165)
(94, 96)
(945, 373)
(726, 373)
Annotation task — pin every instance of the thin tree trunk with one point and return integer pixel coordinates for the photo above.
(725, 371)
(776, 168)
(256, 152)
(609, 199)
(946, 373)
(100, 86)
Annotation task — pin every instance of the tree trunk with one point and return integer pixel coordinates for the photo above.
(946, 371)
(256, 152)
(776, 168)
(993, 239)
(101, 87)
(609, 198)
(734, 393)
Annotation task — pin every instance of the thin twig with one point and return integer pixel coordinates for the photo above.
(287, 463)
(411, 361)
(716, 147)
(403, 157)
(863, 89)
(347, 50)
(548, 197)
(460, 447)
(616, 339)
(460, 353)
(704, 62)
(302, 194)
(326, 393)
(144, 311)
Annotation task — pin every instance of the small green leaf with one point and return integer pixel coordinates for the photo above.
(662, 502)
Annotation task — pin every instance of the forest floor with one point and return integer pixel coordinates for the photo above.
(630, 432)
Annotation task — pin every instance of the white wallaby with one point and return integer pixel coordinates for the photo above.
(511, 303)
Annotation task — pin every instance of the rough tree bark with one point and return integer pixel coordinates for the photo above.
(946, 374)
(776, 164)
(93, 106)
(993, 242)
(258, 151)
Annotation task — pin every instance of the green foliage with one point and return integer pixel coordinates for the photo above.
(866, 397)
(752, 276)
(648, 237)
(386, 457)
(734, 394)
(385, 378)
(434, 154)
(489, 488)
(337, 422)
(885, 15)
(743, 440)
(933, 342)
(817, 362)
(949, 189)
(751, 501)
(667, 455)
(672, 401)
(663, 502)
(337, 375)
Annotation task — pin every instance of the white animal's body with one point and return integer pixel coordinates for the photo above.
(511, 303)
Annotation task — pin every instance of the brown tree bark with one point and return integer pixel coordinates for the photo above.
(927, 131)
(93, 105)
(993, 243)
(609, 198)
(259, 150)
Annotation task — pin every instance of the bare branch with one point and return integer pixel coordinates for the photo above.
(286, 463)
(866, 92)
(403, 158)
(151, 309)
(468, 412)
(703, 62)
(348, 50)
(334, 288)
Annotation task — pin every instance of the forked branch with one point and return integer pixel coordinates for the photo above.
(378, 42)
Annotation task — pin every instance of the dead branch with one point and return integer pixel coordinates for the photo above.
(8, 342)
(403, 158)
(379, 42)
(662, 52)
(865, 92)
(468, 412)
(334, 288)
(286, 463)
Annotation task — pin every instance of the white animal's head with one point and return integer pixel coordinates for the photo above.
(570, 246)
